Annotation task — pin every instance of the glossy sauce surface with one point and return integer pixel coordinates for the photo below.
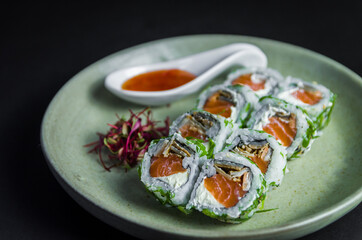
(191, 131)
(160, 80)
(216, 105)
(225, 191)
(246, 80)
(166, 166)
(308, 97)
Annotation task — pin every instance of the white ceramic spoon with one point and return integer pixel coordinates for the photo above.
(206, 65)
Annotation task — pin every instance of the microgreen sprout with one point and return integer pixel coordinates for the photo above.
(127, 140)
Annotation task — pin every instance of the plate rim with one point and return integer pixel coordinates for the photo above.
(348, 203)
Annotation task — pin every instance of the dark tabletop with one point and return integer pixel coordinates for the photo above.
(43, 46)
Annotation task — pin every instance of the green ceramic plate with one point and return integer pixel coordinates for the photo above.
(319, 188)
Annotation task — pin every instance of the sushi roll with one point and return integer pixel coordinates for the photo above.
(291, 127)
(169, 170)
(315, 99)
(262, 81)
(263, 150)
(229, 188)
(210, 128)
(222, 101)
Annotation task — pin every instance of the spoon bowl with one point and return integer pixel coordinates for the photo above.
(205, 65)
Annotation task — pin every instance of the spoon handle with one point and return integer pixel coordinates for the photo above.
(247, 58)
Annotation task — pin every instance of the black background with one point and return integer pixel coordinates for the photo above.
(42, 46)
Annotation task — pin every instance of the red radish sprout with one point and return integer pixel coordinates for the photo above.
(127, 140)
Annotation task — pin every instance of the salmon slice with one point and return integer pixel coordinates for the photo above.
(246, 80)
(282, 129)
(166, 166)
(225, 191)
(192, 131)
(308, 97)
(262, 165)
(216, 105)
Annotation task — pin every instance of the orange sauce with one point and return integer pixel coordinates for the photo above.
(225, 191)
(190, 131)
(246, 80)
(308, 97)
(160, 80)
(282, 130)
(166, 166)
(218, 106)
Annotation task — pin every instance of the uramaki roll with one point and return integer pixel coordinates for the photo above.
(292, 128)
(315, 99)
(262, 149)
(169, 169)
(229, 188)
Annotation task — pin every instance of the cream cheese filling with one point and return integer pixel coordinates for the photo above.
(204, 197)
(176, 180)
